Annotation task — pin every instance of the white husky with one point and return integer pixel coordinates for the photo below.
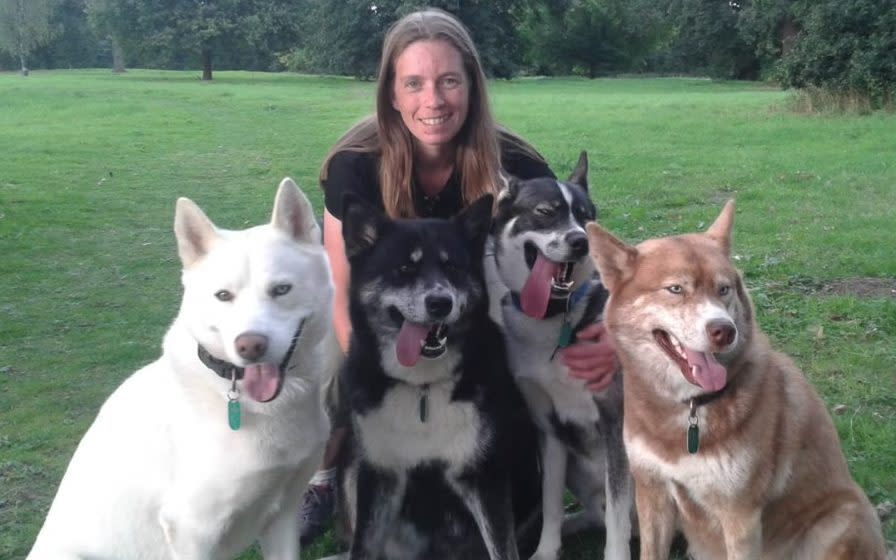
(209, 448)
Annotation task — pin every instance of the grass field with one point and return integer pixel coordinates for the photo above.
(91, 164)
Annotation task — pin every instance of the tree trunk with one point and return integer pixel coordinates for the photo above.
(788, 33)
(206, 65)
(20, 41)
(117, 56)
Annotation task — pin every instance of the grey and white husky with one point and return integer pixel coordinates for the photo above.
(541, 256)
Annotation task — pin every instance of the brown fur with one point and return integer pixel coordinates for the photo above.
(769, 479)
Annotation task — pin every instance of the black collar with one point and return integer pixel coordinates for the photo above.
(222, 367)
(228, 370)
(706, 398)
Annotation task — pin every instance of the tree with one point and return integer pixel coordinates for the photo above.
(706, 39)
(846, 47)
(110, 19)
(169, 30)
(24, 26)
(346, 37)
(75, 45)
(590, 37)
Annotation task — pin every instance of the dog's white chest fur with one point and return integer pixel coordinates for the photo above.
(532, 343)
(702, 473)
(395, 436)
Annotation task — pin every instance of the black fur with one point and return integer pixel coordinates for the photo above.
(434, 502)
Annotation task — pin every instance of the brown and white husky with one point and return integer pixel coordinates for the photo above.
(726, 439)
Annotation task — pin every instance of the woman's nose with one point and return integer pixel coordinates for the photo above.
(433, 96)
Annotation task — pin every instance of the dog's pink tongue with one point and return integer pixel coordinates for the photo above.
(536, 292)
(410, 343)
(706, 371)
(262, 381)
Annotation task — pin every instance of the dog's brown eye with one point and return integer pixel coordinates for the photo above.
(674, 289)
(724, 290)
(280, 289)
(224, 295)
(546, 211)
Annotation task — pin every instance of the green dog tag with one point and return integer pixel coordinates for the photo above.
(565, 336)
(424, 407)
(233, 414)
(693, 438)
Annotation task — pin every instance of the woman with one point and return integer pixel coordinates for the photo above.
(430, 150)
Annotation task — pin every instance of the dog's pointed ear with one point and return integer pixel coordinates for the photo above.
(293, 213)
(476, 220)
(195, 233)
(579, 175)
(509, 187)
(361, 224)
(720, 230)
(614, 260)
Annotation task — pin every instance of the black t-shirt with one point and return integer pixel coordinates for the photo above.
(356, 172)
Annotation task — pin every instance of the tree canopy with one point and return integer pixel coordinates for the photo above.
(847, 47)
(24, 26)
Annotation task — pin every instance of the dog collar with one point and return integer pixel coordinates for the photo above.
(223, 368)
(231, 371)
(693, 434)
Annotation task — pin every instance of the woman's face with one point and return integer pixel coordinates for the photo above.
(431, 91)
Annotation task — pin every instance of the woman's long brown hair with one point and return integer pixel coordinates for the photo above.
(478, 158)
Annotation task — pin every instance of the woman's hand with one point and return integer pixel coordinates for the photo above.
(592, 357)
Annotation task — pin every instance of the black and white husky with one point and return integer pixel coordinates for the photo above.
(541, 255)
(439, 427)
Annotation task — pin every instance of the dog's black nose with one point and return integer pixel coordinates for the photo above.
(438, 307)
(251, 346)
(578, 243)
(721, 333)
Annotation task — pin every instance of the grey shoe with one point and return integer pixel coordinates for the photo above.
(316, 511)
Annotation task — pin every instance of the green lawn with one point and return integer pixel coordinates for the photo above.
(92, 163)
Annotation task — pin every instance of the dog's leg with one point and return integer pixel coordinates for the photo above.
(743, 533)
(493, 513)
(280, 539)
(186, 540)
(379, 498)
(618, 518)
(553, 483)
(657, 516)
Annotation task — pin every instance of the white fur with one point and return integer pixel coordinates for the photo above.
(704, 474)
(160, 474)
(395, 438)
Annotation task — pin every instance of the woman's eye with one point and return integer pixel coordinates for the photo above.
(412, 84)
(224, 295)
(281, 289)
(674, 289)
(451, 82)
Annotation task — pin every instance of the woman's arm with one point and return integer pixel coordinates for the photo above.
(335, 248)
